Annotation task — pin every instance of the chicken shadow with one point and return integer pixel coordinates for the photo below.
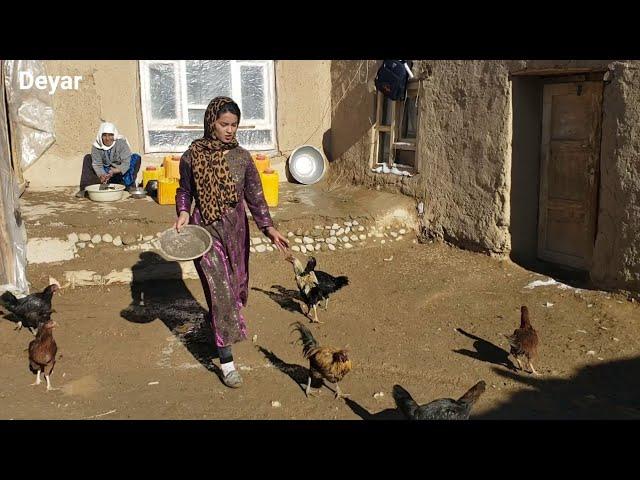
(604, 391)
(171, 302)
(287, 299)
(486, 351)
(364, 414)
(295, 372)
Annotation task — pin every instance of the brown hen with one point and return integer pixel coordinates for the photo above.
(42, 352)
(524, 341)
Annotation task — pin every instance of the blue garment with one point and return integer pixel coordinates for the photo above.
(129, 177)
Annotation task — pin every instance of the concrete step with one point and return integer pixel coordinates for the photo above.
(55, 219)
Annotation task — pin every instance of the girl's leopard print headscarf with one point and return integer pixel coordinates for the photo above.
(215, 187)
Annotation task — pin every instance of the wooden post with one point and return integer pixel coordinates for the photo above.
(7, 254)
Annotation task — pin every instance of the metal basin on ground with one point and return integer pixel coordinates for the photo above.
(307, 164)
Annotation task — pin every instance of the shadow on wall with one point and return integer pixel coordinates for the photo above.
(525, 169)
(351, 120)
(326, 145)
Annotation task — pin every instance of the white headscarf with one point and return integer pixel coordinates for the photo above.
(106, 127)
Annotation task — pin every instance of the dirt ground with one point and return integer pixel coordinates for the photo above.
(428, 317)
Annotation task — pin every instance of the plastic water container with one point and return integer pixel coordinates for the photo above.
(270, 186)
(171, 167)
(167, 188)
(263, 162)
(151, 173)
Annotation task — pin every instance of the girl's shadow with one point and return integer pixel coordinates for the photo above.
(171, 302)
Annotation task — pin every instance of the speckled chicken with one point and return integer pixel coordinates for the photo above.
(315, 286)
(327, 283)
(441, 409)
(307, 283)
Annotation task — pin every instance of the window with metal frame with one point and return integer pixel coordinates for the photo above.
(175, 94)
(395, 132)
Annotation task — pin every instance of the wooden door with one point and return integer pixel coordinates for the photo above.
(569, 170)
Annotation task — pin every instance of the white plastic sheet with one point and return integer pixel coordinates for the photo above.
(30, 111)
(13, 256)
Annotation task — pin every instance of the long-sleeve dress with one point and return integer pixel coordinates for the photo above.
(224, 270)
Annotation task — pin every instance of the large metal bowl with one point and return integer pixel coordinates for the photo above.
(112, 193)
(307, 164)
(192, 242)
(138, 192)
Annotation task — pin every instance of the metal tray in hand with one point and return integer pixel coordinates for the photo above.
(192, 242)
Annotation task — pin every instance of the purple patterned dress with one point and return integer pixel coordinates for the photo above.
(224, 270)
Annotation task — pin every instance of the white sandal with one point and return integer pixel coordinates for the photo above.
(232, 379)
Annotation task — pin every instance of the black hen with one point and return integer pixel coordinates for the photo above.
(327, 284)
(441, 409)
(31, 310)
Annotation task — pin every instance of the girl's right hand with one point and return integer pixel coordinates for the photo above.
(183, 219)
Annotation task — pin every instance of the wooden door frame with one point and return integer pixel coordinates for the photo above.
(591, 202)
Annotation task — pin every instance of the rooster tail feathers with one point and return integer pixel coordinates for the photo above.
(311, 266)
(308, 342)
(341, 281)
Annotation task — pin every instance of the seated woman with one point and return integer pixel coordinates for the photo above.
(111, 160)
